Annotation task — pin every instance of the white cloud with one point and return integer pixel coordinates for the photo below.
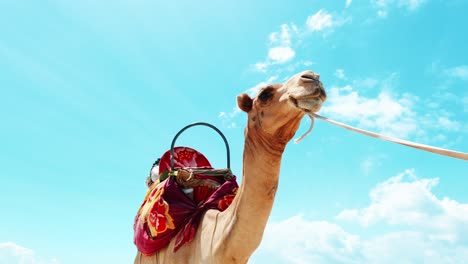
(408, 201)
(382, 13)
(297, 240)
(282, 43)
(385, 113)
(322, 20)
(281, 50)
(348, 3)
(412, 247)
(425, 229)
(339, 73)
(460, 72)
(411, 4)
(384, 5)
(450, 92)
(381, 3)
(283, 37)
(227, 118)
(319, 21)
(365, 83)
(12, 253)
(369, 164)
(448, 124)
(261, 66)
(388, 113)
(281, 54)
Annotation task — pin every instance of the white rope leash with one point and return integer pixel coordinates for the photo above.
(297, 140)
(441, 151)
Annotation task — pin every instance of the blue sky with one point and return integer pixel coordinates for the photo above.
(94, 91)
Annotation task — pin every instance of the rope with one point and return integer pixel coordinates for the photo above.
(440, 151)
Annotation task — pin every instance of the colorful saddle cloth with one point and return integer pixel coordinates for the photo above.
(167, 212)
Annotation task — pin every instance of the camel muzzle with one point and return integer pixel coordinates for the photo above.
(311, 77)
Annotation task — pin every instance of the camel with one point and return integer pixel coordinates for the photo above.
(231, 236)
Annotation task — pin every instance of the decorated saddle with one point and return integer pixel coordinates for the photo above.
(177, 199)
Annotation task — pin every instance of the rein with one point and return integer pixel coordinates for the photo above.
(440, 151)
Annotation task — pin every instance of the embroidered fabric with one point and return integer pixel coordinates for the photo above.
(168, 212)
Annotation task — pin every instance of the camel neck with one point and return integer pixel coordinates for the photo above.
(252, 206)
(262, 161)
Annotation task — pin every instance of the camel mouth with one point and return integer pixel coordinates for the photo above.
(308, 103)
(309, 77)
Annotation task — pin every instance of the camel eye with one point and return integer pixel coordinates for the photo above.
(266, 94)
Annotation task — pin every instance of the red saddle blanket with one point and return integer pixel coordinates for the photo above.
(167, 213)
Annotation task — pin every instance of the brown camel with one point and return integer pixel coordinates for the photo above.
(232, 236)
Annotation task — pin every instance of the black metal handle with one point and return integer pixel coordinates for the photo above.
(200, 124)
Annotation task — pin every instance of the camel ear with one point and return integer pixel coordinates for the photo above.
(244, 102)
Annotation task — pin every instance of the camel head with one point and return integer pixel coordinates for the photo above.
(275, 113)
